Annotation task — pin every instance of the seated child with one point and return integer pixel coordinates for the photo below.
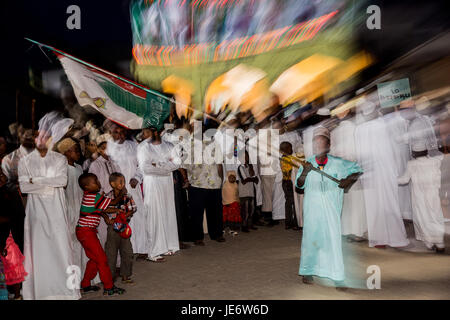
(94, 206)
(119, 233)
(286, 163)
(230, 200)
(425, 175)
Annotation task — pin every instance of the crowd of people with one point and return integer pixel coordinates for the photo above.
(101, 197)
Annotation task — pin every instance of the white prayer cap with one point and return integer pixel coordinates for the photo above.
(323, 112)
(103, 138)
(321, 131)
(418, 145)
(366, 106)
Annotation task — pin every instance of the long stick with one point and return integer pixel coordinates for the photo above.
(33, 102)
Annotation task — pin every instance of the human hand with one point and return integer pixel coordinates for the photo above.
(133, 183)
(307, 166)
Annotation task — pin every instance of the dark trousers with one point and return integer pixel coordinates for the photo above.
(115, 243)
(181, 206)
(211, 200)
(247, 208)
(289, 206)
(14, 210)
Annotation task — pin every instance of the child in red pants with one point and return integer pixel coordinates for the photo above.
(94, 206)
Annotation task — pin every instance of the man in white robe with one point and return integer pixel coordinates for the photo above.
(10, 162)
(124, 154)
(156, 162)
(71, 150)
(102, 167)
(424, 172)
(354, 223)
(375, 154)
(398, 127)
(47, 241)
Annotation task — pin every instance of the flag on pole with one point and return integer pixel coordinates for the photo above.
(118, 99)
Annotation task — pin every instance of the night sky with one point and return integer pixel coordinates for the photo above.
(105, 36)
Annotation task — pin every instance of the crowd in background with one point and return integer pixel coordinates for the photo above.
(54, 182)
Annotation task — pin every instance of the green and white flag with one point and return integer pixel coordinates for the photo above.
(118, 99)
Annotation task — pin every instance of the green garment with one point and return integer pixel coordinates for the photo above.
(321, 252)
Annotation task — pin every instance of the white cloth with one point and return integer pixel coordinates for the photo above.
(375, 154)
(248, 189)
(159, 197)
(354, 221)
(125, 157)
(398, 128)
(10, 165)
(47, 240)
(428, 219)
(102, 168)
(278, 202)
(74, 195)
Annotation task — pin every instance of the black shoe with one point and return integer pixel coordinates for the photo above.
(273, 223)
(114, 291)
(220, 239)
(308, 280)
(253, 228)
(245, 229)
(439, 250)
(259, 223)
(199, 243)
(90, 289)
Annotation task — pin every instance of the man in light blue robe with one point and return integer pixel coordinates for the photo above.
(321, 251)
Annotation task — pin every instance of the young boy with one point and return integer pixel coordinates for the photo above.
(94, 206)
(247, 193)
(286, 163)
(114, 241)
(425, 175)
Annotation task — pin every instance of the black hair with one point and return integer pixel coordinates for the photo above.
(83, 180)
(114, 176)
(284, 145)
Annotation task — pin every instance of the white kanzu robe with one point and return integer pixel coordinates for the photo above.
(398, 129)
(125, 156)
(353, 217)
(428, 219)
(375, 154)
(102, 168)
(159, 197)
(74, 195)
(47, 239)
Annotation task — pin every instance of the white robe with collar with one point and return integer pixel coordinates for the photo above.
(353, 219)
(47, 238)
(159, 197)
(125, 157)
(375, 154)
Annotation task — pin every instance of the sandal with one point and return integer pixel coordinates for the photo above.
(128, 281)
(157, 259)
(114, 291)
(168, 253)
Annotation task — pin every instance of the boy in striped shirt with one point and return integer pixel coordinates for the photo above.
(94, 206)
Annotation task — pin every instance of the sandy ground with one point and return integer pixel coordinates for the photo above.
(264, 264)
